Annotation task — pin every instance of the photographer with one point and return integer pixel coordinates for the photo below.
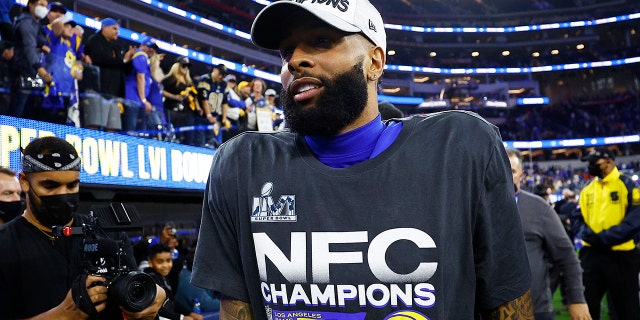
(42, 275)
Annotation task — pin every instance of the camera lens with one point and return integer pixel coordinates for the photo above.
(134, 291)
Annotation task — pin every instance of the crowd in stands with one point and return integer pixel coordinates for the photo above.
(52, 72)
(616, 114)
(238, 14)
(412, 52)
(554, 178)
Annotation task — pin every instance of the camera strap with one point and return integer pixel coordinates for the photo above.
(81, 296)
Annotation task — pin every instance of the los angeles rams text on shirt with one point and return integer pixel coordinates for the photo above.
(398, 290)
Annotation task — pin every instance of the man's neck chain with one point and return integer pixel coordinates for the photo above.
(47, 234)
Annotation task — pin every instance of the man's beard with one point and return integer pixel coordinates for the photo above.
(342, 102)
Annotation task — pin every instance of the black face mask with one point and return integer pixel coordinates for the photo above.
(594, 170)
(10, 210)
(55, 210)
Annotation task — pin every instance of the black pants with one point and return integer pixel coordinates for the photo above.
(614, 273)
(181, 119)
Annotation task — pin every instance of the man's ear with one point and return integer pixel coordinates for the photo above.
(24, 183)
(377, 60)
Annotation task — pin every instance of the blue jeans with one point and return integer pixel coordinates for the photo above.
(132, 114)
(135, 118)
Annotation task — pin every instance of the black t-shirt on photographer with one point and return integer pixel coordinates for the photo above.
(36, 272)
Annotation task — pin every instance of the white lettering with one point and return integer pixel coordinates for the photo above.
(109, 154)
(404, 295)
(26, 135)
(425, 296)
(176, 165)
(293, 270)
(378, 249)
(323, 297)
(282, 293)
(323, 257)
(298, 294)
(188, 167)
(157, 163)
(346, 292)
(90, 159)
(266, 293)
(142, 164)
(375, 295)
(125, 161)
(9, 141)
(378, 288)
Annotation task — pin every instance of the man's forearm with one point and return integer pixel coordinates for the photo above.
(204, 104)
(140, 77)
(224, 111)
(231, 309)
(518, 309)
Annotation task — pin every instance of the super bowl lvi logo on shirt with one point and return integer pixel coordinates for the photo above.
(265, 209)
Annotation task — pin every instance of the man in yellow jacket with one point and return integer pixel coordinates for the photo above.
(608, 221)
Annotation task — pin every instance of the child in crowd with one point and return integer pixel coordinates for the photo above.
(160, 264)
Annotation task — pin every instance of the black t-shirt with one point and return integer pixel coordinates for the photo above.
(428, 228)
(174, 87)
(109, 57)
(36, 273)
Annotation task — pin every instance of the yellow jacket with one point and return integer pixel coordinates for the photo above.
(604, 203)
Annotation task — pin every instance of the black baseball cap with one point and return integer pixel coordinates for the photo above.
(599, 153)
(183, 61)
(6, 44)
(221, 68)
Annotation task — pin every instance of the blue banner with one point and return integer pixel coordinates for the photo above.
(113, 159)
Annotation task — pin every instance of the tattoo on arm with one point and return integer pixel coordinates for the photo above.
(231, 309)
(519, 309)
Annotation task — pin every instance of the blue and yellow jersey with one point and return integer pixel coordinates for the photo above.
(61, 60)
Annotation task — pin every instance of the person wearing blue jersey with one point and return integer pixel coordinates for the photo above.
(137, 85)
(345, 216)
(62, 64)
(5, 20)
(58, 10)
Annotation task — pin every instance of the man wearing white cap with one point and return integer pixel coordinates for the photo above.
(349, 217)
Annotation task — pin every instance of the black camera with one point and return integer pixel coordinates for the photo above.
(106, 257)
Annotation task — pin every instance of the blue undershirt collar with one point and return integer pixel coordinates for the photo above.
(355, 146)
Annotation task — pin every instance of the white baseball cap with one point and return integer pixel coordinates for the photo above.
(270, 92)
(361, 16)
